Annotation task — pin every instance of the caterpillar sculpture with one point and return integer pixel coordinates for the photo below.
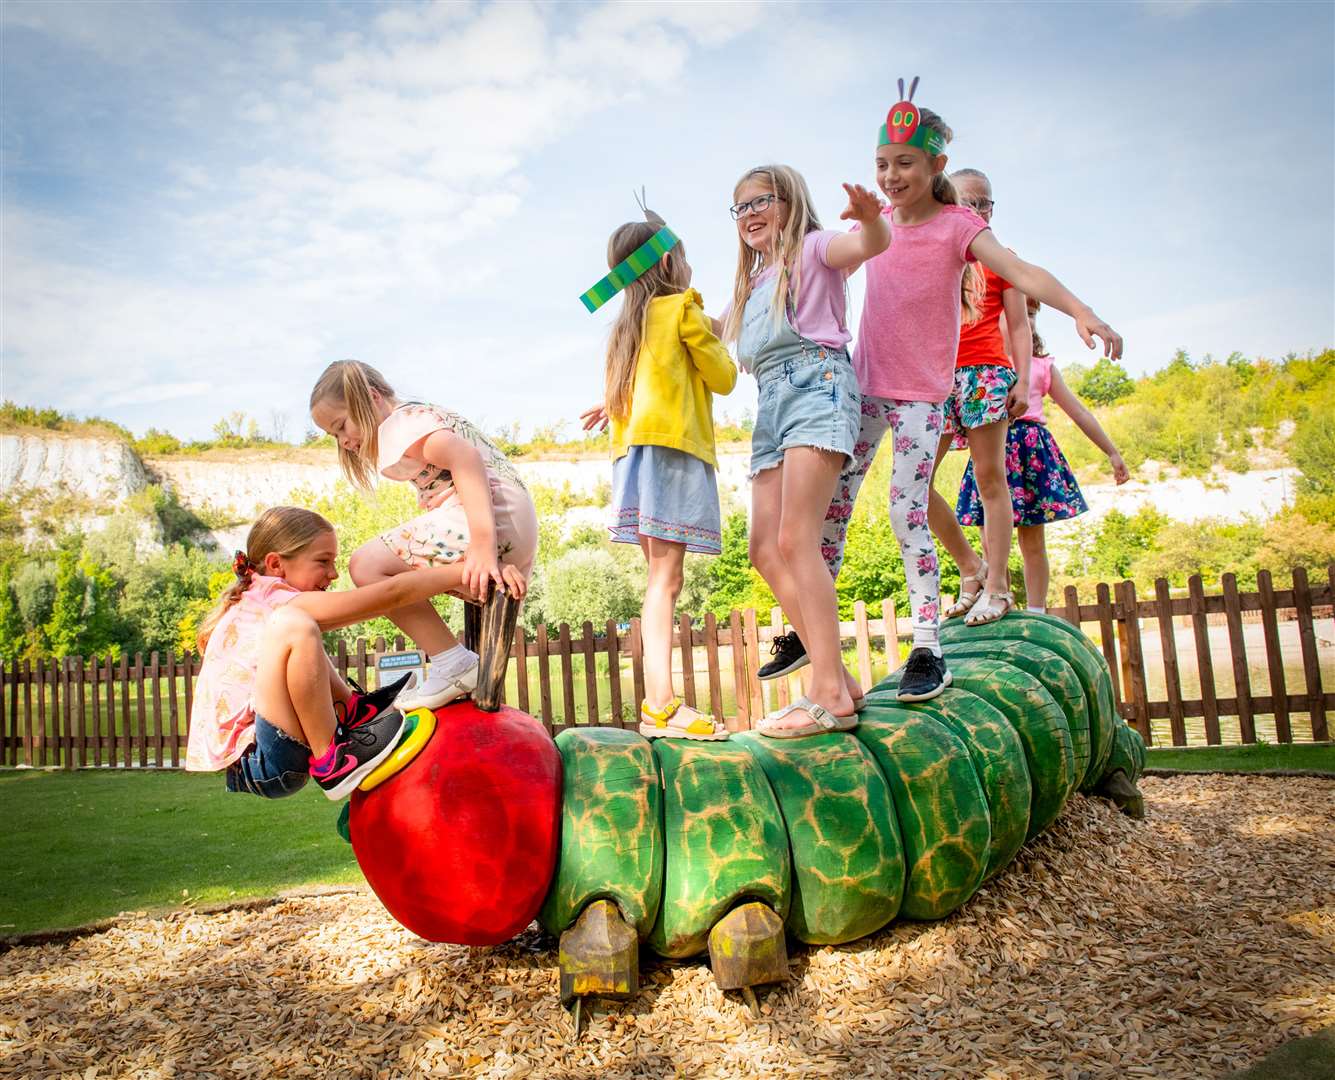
(611, 841)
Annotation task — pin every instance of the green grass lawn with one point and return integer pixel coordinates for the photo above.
(78, 847)
(1254, 758)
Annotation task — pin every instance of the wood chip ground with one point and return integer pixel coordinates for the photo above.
(1185, 946)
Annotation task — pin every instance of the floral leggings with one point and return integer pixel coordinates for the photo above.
(916, 426)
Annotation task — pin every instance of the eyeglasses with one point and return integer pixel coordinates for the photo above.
(983, 206)
(758, 205)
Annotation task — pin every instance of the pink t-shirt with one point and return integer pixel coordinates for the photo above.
(910, 330)
(821, 314)
(222, 719)
(1040, 382)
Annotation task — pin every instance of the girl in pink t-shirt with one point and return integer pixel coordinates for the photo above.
(905, 361)
(269, 706)
(787, 319)
(478, 519)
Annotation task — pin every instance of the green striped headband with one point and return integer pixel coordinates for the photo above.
(633, 266)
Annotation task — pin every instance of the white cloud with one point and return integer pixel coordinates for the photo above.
(151, 393)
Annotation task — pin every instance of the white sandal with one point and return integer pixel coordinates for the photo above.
(966, 600)
(996, 605)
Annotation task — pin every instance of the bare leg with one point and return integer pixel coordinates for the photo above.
(987, 447)
(944, 526)
(804, 485)
(1034, 549)
(656, 616)
(293, 684)
(373, 562)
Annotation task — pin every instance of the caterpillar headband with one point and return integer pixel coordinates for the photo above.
(634, 265)
(903, 125)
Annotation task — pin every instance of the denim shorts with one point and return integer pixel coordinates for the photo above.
(275, 766)
(808, 398)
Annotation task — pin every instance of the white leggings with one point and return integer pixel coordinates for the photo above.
(916, 426)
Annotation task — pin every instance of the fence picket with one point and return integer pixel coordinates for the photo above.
(781, 697)
(740, 681)
(11, 707)
(189, 695)
(1072, 613)
(80, 714)
(590, 675)
(109, 680)
(569, 716)
(61, 672)
(686, 639)
(39, 717)
(637, 662)
(28, 733)
(1204, 660)
(1108, 641)
(545, 678)
(712, 666)
(96, 696)
(1274, 661)
(521, 666)
(1316, 705)
(1131, 620)
(862, 634)
(126, 740)
(1242, 680)
(613, 643)
(752, 647)
(1172, 677)
(173, 713)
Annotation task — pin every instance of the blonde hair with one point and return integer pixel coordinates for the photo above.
(788, 185)
(623, 346)
(1032, 306)
(350, 383)
(285, 530)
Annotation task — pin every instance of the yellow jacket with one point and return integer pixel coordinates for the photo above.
(680, 367)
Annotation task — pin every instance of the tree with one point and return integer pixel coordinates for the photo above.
(12, 639)
(65, 624)
(586, 583)
(1106, 383)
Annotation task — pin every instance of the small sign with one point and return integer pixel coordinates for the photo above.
(401, 661)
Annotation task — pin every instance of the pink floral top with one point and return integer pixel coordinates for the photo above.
(222, 719)
(409, 424)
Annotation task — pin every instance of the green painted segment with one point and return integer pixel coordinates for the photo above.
(1078, 651)
(848, 862)
(998, 759)
(1037, 719)
(940, 803)
(1128, 752)
(1056, 675)
(724, 838)
(611, 828)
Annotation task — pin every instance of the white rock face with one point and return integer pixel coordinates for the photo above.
(100, 468)
(243, 484)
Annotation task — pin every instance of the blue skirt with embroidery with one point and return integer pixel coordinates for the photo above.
(668, 494)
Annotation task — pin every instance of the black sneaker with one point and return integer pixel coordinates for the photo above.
(355, 753)
(789, 654)
(362, 707)
(924, 677)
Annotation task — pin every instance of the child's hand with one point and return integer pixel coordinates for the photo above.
(1017, 399)
(514, 581)
(862, 205)
(1089, 326)
(594, 417)
(480, 569)
(1121, 474)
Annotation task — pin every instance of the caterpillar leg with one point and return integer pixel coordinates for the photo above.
(599, 957)
(747, 949)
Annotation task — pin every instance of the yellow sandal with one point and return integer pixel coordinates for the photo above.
(676, 720)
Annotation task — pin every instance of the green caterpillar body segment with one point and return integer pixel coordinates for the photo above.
(611, 828)
(848, 861)
(1057, 677)
(1036, 718)
(724, 837)
(1128, 752)
(1077, 650)
(942, 810)
(998, 759)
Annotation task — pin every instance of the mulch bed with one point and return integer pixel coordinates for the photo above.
(1185, 946)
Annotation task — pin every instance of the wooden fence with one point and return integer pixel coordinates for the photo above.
(79, 712)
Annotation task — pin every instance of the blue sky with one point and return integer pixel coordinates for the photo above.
(205, 204)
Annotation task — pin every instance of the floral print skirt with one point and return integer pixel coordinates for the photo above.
(1043, 488)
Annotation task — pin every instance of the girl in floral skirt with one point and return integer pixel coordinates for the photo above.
(1042, 486)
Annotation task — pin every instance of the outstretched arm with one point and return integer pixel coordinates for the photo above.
(1036, 282)
(850, 250)
(334, 610)
(1065, 399)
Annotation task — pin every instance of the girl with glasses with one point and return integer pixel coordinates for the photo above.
(787, 317)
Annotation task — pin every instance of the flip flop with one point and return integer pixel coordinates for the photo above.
(822, 720)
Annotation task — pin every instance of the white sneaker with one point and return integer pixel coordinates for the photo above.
(438, 690)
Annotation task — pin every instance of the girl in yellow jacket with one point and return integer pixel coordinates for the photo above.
(664, 366)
